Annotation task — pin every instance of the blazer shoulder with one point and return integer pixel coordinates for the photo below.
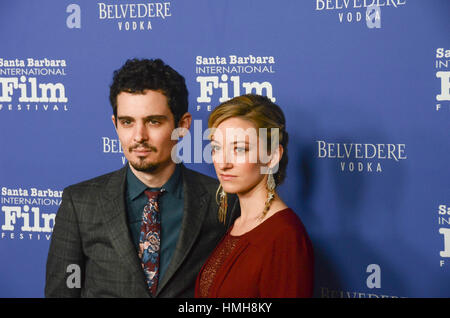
(99, 182)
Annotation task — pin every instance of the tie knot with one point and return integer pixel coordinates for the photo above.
(153, 194)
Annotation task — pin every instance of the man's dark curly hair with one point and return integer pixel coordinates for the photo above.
(136, 76)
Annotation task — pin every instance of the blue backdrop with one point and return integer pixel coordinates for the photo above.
(364, 84)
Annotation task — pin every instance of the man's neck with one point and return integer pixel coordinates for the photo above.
(157, 178)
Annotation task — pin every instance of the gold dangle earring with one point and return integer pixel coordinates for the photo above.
(270, 193)
(221, 199)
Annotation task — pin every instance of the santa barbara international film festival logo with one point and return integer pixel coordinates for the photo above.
(358, 11)
(134, 16)
(356, 157)
(33, 84)
(221, 78)
(28, 213)
(443, 76)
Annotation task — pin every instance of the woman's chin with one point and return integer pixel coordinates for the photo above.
(230, 188)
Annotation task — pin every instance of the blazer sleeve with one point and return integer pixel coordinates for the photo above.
(65, 261)
(289, 269)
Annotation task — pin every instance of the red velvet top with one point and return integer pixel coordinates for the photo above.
(273, 260)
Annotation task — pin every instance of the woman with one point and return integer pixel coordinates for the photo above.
(266, 252)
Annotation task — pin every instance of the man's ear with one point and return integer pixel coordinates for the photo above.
(113, 118)
(184, 122)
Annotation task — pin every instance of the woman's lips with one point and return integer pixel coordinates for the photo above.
(227, 177)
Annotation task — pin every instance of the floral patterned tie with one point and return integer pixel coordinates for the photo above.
(150, 240)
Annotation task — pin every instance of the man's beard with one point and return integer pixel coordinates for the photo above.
(140, 164)
(145, 167)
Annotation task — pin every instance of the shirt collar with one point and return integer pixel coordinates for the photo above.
(136, 187)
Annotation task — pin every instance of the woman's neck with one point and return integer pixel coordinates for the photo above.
(252, 202)
(252, 205)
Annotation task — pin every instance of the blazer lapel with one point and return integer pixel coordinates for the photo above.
(115, 216)
(195, 202)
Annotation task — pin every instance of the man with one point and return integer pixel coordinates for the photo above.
(146, 229)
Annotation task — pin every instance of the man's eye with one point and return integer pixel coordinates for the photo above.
(154, 122)
(125, 122)
(240, 149)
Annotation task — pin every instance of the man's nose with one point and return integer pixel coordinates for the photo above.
(140, 133)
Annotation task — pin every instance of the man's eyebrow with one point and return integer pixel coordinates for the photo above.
(124, 117)
(159, 117)
(151, 117)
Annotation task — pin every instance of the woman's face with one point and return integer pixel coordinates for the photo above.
(235, 153)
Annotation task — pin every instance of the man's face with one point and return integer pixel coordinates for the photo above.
(144, 126)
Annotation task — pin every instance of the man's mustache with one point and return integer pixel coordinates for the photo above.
(143, 146)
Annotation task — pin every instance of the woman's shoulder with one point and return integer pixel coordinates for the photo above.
(284, 225)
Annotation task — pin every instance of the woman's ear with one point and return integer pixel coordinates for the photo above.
(276, 156)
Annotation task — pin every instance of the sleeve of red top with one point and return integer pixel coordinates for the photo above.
(289, 270)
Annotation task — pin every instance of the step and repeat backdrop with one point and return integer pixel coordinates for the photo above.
(364, 84)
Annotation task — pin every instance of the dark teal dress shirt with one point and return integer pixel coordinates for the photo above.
(171, 205)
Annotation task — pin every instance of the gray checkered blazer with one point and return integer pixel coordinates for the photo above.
(91, 231)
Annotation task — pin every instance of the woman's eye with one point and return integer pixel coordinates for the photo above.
(215, 148)
(240, 149)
